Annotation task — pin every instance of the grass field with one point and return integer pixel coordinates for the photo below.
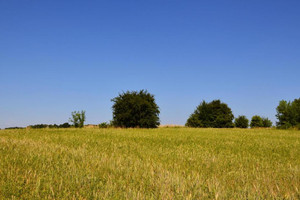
(164, 163)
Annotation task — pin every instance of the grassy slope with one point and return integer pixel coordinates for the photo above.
(165, 163)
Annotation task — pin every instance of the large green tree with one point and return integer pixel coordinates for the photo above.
(135, 109)
(288, 114)
(214, 114)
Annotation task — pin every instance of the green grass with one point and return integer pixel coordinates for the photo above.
(164, 163)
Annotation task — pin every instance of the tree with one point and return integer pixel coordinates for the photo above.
(266, 122)
(284, 115)
(296, 109)
(78, 118)
(135, 109)
(256, 121)
(288, 114)
(214, 114)
(241, 122)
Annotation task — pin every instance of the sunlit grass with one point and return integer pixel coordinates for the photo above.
(164, 163)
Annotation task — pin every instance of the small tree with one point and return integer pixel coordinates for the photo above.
(256, 121)
(214, 114)
(241, 122)
(135, 109)
(78, 118)
(266, 122)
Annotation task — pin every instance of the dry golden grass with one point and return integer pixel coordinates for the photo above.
(164, 163)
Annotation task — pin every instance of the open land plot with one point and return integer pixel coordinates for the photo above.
(163, 163)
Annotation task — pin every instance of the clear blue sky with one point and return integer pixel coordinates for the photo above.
(61, 56)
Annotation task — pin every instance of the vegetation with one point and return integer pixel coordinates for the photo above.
(39, 126)
(64, 125)
(259, 122)
(288, 114)
(15, 127)
(214, 114)
(104, 125)
(256, 122)
(164, 163)
(266, 122)
(135, 109)
(78, 118)
(241, 122)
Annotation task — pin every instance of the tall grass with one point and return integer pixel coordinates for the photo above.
(164, 163)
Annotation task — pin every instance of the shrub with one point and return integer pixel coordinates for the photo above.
(53, 126)
(214, 114)
(266, 123)
(135, 109)
(256, 121)
(64, 125)
(103, 125)
(241, 122)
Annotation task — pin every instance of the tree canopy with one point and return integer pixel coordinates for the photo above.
(214, 114)
(135, 109)
(78, 118)
(288, 114)
(241, 122)
(256, 121)
(266, 123)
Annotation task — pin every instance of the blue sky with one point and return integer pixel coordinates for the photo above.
(61, 56)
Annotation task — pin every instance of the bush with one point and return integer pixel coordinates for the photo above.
(64, 125)
(135, 109)
(256, 121)
(266, 123)
(241, 122)
(214, 114)
(53, 126)
(103, 125)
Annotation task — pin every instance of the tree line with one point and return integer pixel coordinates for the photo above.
(77, 119)
(216, 114)
(138, 109)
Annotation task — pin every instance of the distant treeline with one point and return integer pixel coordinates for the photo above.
(138, 109)
(64, 125)
(16, 127)
(216, 114)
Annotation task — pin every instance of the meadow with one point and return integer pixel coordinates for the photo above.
(163, 163)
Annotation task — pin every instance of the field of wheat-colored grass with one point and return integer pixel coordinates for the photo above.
(163, 163)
